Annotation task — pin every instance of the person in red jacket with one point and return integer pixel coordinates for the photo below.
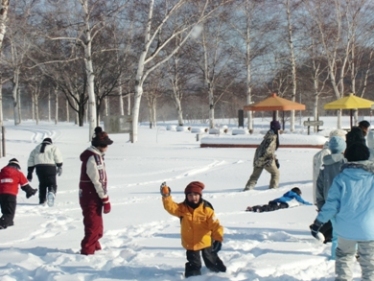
(93, 196)
(11, 178)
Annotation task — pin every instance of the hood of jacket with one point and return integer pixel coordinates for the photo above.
(364, 165)
(331, 159)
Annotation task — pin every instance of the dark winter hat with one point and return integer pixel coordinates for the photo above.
(337, 145)
(194, 187)
(100, 138)
(14, 162)
(47, 141)
(355, 135)
(296, 190)
(275, 126)
(364, 124)
(357, 152)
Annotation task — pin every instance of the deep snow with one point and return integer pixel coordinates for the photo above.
(141, 240)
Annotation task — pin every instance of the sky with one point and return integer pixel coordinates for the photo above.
(141, 240)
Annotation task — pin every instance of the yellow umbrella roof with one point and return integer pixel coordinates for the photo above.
(273, 103)
(349, 102)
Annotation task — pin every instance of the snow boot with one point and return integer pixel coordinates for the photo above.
(50, 199)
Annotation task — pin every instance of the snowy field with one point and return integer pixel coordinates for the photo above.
(141, 240)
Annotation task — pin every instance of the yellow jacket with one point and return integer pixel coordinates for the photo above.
(198, 226)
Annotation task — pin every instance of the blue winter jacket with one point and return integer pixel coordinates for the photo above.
(351, 201)
(290, 195)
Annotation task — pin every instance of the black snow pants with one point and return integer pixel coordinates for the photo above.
(272, 206)
(47, 181)
(8, 204)
(211, 261)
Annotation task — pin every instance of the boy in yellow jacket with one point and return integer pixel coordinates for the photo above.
(198, 228)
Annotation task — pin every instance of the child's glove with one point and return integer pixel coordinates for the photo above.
(30, 192)
(308, 203)
(106, 205)
(314, 228)
(165, 190)
(216, 246)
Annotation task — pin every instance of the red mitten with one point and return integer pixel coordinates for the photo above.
(106, 205)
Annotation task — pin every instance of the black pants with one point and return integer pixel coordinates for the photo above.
(211, 261)
(272, 206)
(47, 181)
(8, 204)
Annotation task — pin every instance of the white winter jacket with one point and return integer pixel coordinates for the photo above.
(50, 156)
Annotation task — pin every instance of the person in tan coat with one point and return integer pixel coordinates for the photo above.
(265, 158)
(200, 230)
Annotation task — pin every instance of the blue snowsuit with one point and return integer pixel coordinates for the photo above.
(289, 197)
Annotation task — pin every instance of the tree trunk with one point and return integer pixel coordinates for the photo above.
(129, 104)
(293, 63)
(37, 109)
(67, 111)
(120, 98)
(19, 105)
(33, 107)
(15, 84)
(56, 105)
(3, 19)
(49, 106)
(211, 109)
(92, 121)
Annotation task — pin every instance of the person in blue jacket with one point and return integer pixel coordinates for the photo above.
(291, 198)
(350, 202)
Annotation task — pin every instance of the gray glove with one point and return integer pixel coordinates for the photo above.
(59, 171)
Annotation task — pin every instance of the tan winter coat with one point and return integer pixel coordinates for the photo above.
(265, 153)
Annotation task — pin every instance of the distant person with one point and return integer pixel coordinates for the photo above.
(46, 158)
(331, 166)
(93, 194)
(11, 178)
(350, 202)
(291, 198)
(318, 158)
(200, 230)
(265, 158)
(356, 134)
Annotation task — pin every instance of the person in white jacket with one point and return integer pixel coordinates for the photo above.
(47, 160)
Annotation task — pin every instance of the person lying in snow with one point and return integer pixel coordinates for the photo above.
(291, 198)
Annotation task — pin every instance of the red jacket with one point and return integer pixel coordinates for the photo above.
(10, 180)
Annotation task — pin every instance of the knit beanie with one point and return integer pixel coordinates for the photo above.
(194, 187)
(14, 162)
(355, 135)
(337, 145)
(47, 141)
(357, 152)
(275, 126)
(100, 138)
(338, 133)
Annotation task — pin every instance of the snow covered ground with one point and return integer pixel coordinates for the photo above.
(141, 240)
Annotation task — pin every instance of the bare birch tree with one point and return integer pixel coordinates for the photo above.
(155, 39)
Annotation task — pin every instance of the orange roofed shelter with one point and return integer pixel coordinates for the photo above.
(274, 103)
